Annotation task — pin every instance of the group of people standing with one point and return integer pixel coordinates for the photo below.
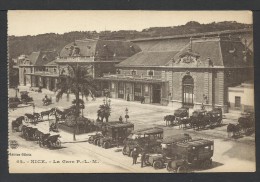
(135, 155)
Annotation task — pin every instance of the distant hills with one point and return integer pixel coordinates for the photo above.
(51, 41)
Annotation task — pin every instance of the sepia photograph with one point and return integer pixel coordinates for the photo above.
(130, 91)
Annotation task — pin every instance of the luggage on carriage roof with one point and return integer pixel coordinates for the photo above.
(176, 138)
(181, 112)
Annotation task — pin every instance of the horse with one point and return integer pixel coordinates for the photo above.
(184, 121)
(232, 128)
(45, 113)
(37, 116)
(169, 119)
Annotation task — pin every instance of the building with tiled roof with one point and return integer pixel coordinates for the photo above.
(200, 72)
(184, 70)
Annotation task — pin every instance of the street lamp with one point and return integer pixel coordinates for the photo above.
(126, 114)
(33, 108)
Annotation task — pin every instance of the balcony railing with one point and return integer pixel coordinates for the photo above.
(157, 77)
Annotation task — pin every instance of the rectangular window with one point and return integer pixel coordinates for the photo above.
(134, 72)
(237, 101)
(150, 72)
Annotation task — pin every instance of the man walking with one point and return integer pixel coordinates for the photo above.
(134, 155)
(143, 158)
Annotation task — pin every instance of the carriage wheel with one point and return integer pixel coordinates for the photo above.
(157, 164)
(124, 150)
(106, 145)
(58, 143)
(182, 169)
(207, 164)
(95, 142)
(49, 144)
(130, 153)
(26, 136)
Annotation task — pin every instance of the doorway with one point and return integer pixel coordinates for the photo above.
(187, 91)
(156, 93)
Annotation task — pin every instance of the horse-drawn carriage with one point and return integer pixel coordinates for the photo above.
(200, 119)
(25, 98)
(246, 125)
(148, 139)
(14, 102)
(160, 158)
(46, 101)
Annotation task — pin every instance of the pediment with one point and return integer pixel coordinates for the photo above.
(188, 57)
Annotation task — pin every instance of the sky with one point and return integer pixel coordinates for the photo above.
(34, 22)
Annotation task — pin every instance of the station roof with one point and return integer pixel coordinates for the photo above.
(41, 58)
(208, 52)
(149, 58)
(108, 49)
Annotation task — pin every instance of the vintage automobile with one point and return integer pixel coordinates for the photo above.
(28, 132)
(93, 139)
(50, 141)
(25, 98)
(115, 133)
(191, 154)
(17, 124)
(165, 154)
(14, 102)
(148, 139)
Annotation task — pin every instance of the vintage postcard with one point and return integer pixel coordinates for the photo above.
(131, 92)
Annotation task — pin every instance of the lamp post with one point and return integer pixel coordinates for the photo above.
(126, 114)
(33, 108)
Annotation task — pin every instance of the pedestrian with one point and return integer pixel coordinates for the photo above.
(143, 159)
(120, 119)
(134, 155)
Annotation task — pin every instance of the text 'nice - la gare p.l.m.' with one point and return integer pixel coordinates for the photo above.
(214, 68)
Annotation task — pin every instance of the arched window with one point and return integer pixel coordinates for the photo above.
(187, 90)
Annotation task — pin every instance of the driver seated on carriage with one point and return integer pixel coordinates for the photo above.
(53, 127)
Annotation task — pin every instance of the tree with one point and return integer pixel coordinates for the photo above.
(104, 112)
(77, 82)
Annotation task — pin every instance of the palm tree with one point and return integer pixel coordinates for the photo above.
(78, 82)
(104, 112)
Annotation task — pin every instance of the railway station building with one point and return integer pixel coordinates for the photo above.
(179, 70)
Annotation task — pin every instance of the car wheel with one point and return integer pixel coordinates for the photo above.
(181, 169)
(207, 164)
(157, 164)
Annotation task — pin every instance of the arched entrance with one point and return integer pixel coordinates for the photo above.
(187, 91)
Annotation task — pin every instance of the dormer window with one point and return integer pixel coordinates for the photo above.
(118, 71)
(150, 72)
(134, 72)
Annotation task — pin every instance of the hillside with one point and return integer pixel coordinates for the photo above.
(51, 41)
